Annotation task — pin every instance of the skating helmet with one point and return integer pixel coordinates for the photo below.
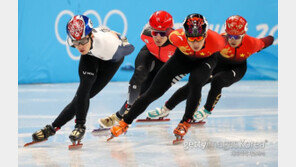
(79, 27)
(161, 20)
(236, 25)
(195, 25)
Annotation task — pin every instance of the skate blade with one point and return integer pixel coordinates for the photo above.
(33, 142)
(100, 130)
(161, 119)
(177, 141)
(75, 146)
(112, 136)
(198, 123)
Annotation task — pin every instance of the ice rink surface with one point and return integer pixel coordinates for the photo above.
(242, 131)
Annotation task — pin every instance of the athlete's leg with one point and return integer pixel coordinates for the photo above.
(178, 64)
(180, 95)
(88, 73)
(145, 63)
(197, 79)
(106, 71)
(224, 79)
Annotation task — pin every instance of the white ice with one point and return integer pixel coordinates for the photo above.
(242, 131)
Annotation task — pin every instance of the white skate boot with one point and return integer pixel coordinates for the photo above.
(201, 115)
(158, 113)
(109, 121)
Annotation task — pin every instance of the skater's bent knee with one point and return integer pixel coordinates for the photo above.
(218, 83)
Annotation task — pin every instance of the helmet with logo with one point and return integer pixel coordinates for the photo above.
(161, 20)
(236, 25)
(79, 27)
(195, 25)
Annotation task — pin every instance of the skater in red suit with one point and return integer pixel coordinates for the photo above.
(231, 65)
(97, 66)
(195, 48)
(157, 50)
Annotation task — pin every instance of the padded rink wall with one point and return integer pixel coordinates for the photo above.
(44, 56)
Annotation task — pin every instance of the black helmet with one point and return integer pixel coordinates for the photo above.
(195, 25)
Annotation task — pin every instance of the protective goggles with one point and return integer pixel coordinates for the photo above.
(82, 41)
(236, 37)
(192, 39)
(161, 33)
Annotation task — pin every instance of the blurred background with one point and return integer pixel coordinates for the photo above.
(44, 57)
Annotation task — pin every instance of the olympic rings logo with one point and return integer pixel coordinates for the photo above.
(88, 12)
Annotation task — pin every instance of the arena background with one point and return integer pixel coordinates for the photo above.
(44, 57)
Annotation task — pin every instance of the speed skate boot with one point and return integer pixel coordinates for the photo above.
(108, 121)
(76, 136)
(43, 134)
(201, 115)
(158, 113)
(180, 131)
(118, 129)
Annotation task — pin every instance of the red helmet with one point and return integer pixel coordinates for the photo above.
(236, 25)
(161, 20)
